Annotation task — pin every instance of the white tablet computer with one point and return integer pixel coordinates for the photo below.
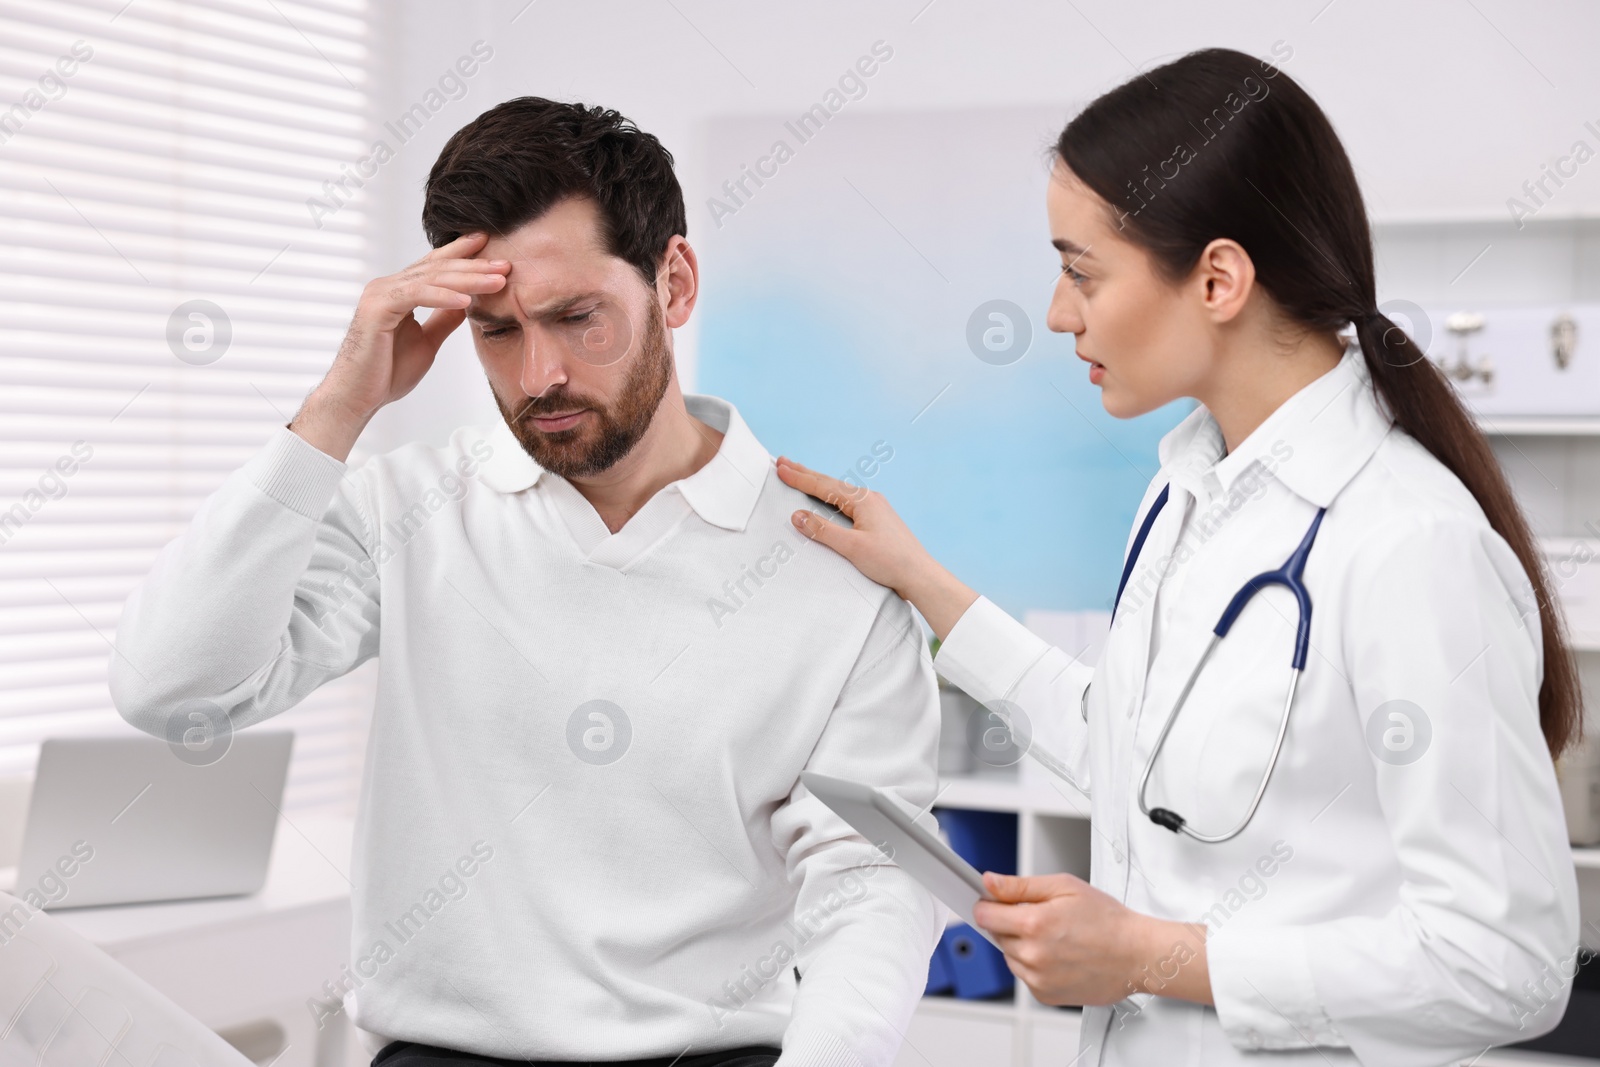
(880, 819)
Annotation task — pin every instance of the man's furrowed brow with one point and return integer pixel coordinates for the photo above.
(556, 308)
(485, 318)
(553, 309)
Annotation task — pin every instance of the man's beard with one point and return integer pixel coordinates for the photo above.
(586, 450)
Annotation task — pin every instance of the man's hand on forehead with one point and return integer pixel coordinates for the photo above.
(387, 350)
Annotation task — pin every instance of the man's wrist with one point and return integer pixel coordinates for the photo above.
(328, 425)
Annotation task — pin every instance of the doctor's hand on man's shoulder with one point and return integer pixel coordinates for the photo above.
(387, 350)
(879, 544)
(877, 541)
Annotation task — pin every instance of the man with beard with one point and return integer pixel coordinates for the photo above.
(605, 654)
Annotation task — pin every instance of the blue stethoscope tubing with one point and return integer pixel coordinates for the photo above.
(1292, 577)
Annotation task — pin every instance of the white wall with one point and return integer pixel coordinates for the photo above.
(1446, 108)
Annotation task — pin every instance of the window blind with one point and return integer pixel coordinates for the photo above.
(170, 293)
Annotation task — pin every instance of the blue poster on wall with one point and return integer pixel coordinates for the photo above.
(874, 292)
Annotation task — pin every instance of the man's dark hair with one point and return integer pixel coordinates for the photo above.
(517, 160)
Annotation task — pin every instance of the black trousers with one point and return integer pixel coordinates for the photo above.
(411, 1054)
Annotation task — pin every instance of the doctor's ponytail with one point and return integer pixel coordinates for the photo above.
(1221, 144)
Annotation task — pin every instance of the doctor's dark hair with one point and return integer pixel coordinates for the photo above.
(1219, 144)
(519, 159)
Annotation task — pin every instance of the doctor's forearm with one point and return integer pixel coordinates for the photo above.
(940, 596)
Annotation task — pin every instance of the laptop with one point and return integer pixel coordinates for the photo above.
(127, 819)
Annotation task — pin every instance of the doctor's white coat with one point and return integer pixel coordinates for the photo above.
(1405, 895)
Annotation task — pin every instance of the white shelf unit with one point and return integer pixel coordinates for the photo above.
(1553, 465)
(1555, 474)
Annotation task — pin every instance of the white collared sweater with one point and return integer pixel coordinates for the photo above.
(581, 832)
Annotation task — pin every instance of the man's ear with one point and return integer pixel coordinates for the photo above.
(678, 282)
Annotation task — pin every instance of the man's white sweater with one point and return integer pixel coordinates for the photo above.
(581, 831)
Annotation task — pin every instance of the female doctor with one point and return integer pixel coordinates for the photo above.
(1348, 840)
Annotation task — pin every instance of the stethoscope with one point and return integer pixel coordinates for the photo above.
(1292, 577)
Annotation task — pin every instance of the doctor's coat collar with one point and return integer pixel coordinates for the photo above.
(723, 492)
(1314, 443)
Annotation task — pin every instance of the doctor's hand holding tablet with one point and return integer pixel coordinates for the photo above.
(1318, 743)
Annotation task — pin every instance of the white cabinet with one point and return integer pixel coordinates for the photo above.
(1524, 361)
